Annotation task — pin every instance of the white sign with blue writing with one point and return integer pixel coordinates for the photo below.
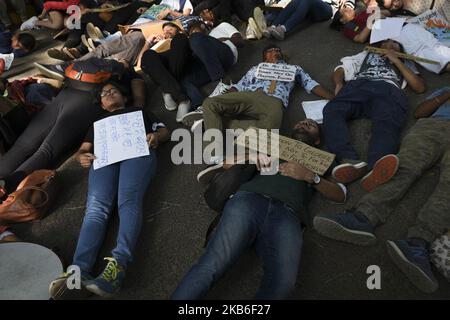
(119, 138)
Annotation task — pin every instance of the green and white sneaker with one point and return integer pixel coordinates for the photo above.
(109, 281)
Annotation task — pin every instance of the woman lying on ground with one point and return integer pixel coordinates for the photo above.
(127, 181)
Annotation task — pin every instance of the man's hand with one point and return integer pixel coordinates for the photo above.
(153, 140)
(85, 159)
(392, 56)
(262, 161)
(141, 10)
(163, 14)
(296, 171)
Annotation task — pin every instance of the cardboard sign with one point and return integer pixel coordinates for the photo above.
(119, 138)
(276, 72)
(289, 149)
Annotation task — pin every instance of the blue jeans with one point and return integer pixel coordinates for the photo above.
(39, 93)
(297, 10)
(250, 218)
(211, 60)
(383, 103)
(126, 181)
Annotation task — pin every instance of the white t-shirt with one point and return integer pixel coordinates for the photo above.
(226, 30)
(175, 4)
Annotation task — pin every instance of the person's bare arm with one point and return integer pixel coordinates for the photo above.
(428, 107)
(416, 83)
(84, 155)
(322, 92)
(338, 79)
(328, 189)
(363, 36)
(160, 136)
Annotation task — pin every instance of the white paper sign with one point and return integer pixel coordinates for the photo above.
(276, 71)
(314, 109)
(388, 28)
(119, 138)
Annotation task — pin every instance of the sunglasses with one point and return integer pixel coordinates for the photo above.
(105, 93)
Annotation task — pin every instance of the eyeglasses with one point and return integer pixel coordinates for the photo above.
(105, 93)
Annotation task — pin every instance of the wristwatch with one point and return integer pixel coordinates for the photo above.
(316, 179)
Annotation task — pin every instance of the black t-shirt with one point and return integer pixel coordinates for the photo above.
(151, 122)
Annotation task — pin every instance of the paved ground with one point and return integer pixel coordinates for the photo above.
(176, 216)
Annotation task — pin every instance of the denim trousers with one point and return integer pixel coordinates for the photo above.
(382, 102)
(250, 218)
(298, 10)
(126, 181)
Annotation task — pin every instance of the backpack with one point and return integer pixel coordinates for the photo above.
(31, 200)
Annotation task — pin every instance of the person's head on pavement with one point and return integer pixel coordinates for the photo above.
(307, 131)
(113, 97)
(170, 30)
(272, 54)
(392, 5)
(23, 42)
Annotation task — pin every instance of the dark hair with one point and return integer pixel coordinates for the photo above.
(268, 47)
(123, 90)
(336, 23)
(27, 41)
(88, 3)
(171, 24)
(304, 136)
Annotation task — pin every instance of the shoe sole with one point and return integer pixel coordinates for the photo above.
(255, 27)
(346, 173)
(189, 118)
(58, 55)
(205, 176)
(419, 278)
(331, 229)
(96, 290)
(383, 170)
(91, 32)
(49, 73)
(86, 43)
(260, 21)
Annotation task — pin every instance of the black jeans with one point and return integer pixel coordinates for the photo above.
(167, 68)
(51, 134)
(211, 59)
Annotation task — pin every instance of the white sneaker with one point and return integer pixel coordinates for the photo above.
(250, 33)
(198, 123)
(221, 88)
(183, 109)
(169, 103)
(8, 58)
(254, 26)
(260, 20)
(29, 24)
(189, 118)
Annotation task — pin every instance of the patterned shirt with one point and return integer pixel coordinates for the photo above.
(282, 90)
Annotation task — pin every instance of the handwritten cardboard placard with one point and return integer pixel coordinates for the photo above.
(289, 149)
(276, 72)
(119, 138)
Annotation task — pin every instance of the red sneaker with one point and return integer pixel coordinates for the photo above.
(347, 172)
(2, 65)
(383, 170)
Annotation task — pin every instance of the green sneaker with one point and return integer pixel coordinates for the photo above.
(109, 281)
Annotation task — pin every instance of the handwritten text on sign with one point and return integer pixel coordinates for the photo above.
(276, 72)
(289, 149)
(119, 138)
